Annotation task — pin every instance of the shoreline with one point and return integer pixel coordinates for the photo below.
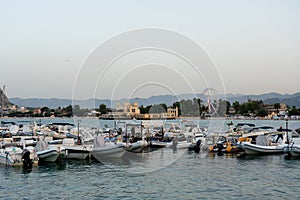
(178, 118)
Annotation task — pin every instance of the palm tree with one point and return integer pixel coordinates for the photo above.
(236, 106)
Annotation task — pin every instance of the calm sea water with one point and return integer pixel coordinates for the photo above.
(162, 174)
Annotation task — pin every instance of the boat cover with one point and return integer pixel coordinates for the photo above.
(262, 140)
(41, 145)
(99, 141)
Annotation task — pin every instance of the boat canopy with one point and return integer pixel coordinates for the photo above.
(284, 130)
(262, 128)
(245, 124)
(134, 124)
(62, 124)
(7, 123)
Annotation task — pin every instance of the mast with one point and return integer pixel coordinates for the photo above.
(2, 100)
(286, 126)
(78, 139)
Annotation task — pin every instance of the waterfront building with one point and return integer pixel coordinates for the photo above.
(130, 111)
(270, 108)
(127, 110)
(172, 112)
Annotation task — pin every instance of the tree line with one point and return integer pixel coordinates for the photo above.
(196, 107)
(186, 107)
(43, 112)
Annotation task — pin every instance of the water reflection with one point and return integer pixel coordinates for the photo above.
(145, 162)
(220, 154)
(49, 167)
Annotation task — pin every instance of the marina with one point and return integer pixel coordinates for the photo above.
(149, 100)
(161, 173)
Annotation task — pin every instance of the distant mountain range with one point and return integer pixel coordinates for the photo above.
(268, 98)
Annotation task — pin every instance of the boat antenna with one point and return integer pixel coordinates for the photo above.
(286, 126)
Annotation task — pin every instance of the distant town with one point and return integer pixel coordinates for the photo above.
(185, 108)
(196, 107)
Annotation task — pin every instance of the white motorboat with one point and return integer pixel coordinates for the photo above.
(259, 149)
(45, 153)
(56, 130)
(263, 146)
(136, 147)
(240, 129)
(78, 152)
(14, 156)
(11, 156)
(266, 141)
(257, 131)
(157, 144)
(81, 152)
(135, 139)
(102, 149)
(48, 155)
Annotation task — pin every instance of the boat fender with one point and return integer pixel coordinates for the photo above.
(119, 139)
(244, 139)
(229, 148)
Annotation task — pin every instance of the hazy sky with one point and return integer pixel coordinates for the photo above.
(48, 48)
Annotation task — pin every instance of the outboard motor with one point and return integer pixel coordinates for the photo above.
(220, 147)
(197, 147)
(27, 162)
(119, 131)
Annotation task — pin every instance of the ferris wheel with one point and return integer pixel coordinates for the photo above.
(210, 95)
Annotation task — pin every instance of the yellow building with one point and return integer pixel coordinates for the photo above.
(172, 112)
(127, 110)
